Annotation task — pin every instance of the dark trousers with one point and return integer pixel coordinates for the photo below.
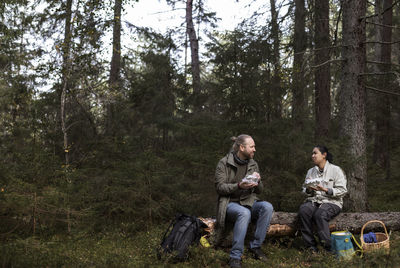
(320, 215)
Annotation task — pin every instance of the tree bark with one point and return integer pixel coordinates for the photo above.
(66, 73)
(114, 79)
(382, 146)
(116, 52)
(373, 95)
(352, 222)
(352, 99)
(276, 90)
(300, 44)
(194, 49)
(286, 223)
(322, 73)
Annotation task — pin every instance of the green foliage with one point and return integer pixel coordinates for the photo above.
(386, 197)
(119, 249)
(121, 188)
(239, 83)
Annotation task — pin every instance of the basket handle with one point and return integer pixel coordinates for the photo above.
(362, 229)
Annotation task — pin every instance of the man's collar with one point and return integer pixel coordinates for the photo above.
(231, 161)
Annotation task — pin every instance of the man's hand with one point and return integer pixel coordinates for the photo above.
(247, 185)
(319, 187)
(257, 175)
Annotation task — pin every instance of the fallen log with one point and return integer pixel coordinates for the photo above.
(286, 223)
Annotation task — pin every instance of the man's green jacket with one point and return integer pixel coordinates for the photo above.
(226, 185)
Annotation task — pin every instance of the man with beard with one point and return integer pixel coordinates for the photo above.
(237, 181)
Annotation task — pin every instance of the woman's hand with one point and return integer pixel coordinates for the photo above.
(319, 187)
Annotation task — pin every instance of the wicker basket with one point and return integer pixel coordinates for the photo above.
(382, 239)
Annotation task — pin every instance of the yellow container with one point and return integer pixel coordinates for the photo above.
(204, 242)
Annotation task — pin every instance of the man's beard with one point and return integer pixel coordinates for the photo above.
(248, 155)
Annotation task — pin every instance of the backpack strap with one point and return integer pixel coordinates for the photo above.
(168, 229)
(182, 229)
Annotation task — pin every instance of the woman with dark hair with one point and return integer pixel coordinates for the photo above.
(325, 186)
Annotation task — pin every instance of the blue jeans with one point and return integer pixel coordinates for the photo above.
(260, 212)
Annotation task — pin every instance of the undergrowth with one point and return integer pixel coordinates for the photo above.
(134, 244)
(118, 249)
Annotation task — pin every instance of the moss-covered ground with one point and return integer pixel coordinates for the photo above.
(118, 249)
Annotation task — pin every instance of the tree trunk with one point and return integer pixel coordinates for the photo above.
(395, 101)
(352, 99)
(382, 116)
(373, 95)
(194, 49)
(352, 222)
(66, 73)
(322, 73)
(114, 79)
(286, 223)
(116, 52)
(276, 90)
(300, 44)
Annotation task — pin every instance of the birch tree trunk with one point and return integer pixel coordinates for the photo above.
(352, 99)
(322, 72)
(65, 74)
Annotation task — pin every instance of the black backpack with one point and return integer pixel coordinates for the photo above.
(186, 231)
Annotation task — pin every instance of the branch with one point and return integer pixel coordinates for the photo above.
(381, 62)
(283, 46)
(383, 25)
(92, 87)
(383, 12)
(326, 62)
(12, 230)
(313, 50)
(383, 91)
(167, 11)
(382, 73)
(383, 43)
(73, 123)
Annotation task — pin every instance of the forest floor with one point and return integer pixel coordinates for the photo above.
(119, 249)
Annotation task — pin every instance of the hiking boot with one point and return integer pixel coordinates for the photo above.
(326, 246)
(258, 254)
(329, 251)
(235, 263)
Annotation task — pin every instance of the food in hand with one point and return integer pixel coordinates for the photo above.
(252, 178)
(312, 182)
